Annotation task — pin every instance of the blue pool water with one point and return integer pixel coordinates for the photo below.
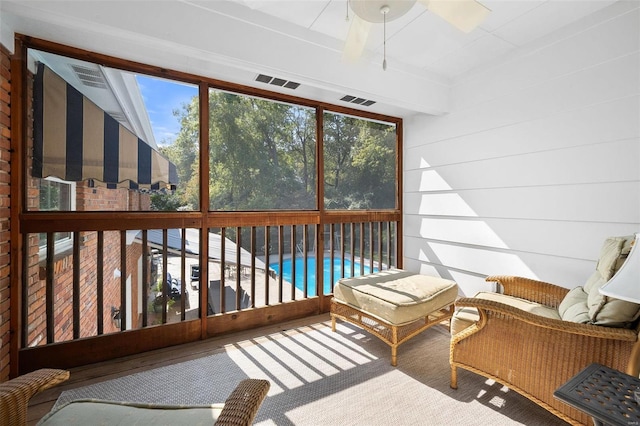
(311, 272)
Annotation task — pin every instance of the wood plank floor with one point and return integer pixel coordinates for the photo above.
(42, 403)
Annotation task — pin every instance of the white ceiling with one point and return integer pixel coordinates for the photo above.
(298, 40)
(425, 41)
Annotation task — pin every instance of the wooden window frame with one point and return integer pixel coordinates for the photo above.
(24, 222)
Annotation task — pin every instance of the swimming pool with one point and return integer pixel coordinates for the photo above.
(311, 272)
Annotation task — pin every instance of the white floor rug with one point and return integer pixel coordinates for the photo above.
(324, 378)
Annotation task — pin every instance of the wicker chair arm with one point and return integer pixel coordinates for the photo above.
(489, 307)
(15, 393)
(242, 405)
(526, 288)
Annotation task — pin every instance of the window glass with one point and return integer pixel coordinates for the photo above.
(56, 195)
(122, 138)
(359, 163)
(262, 154)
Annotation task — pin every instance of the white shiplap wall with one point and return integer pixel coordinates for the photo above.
(537, 162)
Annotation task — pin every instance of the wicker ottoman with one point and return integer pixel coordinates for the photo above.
(394, 305)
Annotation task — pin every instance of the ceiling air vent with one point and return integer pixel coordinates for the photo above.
(277, 81)
(356, 100)
(89, 76)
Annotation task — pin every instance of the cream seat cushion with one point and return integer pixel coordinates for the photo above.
(465, 317)
(396, 296)
(587, 306)
(98, 412)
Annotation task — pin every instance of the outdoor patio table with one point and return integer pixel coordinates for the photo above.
(604, 393)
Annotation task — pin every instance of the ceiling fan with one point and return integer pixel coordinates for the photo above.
(462, 14)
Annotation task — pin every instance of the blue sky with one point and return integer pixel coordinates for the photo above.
(161, 97)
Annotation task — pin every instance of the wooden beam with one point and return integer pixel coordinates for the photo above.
(18, 315)
(109, 346)
(258, 317)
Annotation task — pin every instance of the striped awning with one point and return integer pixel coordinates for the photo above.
(75, 140)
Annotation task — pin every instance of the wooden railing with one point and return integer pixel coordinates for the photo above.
(124, 285)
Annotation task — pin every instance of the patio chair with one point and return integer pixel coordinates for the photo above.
(16, 393)
(239, 409)
(195, 274)
(535, 336)
(230, 296)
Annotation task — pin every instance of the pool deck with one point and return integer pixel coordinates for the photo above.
(230, 278)
(230, 274)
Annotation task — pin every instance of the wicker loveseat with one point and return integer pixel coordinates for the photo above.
(520, 339)
(239, 409)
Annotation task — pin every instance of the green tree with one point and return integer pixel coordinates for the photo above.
(373, 166)
(303, 148)
(166, 201)
(262, 156)
(183, 152)
(340, 135)
(255, 152)
(360, 161)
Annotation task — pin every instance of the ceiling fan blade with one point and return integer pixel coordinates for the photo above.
(356, 39)
(465, 15)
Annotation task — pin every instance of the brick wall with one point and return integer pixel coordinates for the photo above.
(103, 199)
(5, 140)
(87, 199)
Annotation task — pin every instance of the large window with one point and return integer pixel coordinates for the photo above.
(300, 193)
(120, 136)
(359, 163)
(262, 154)
(121, 131)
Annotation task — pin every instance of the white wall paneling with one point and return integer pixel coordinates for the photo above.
(537, 161)
(608, 121)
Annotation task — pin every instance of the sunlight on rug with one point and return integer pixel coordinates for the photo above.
(323, 378)
(292, 359)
